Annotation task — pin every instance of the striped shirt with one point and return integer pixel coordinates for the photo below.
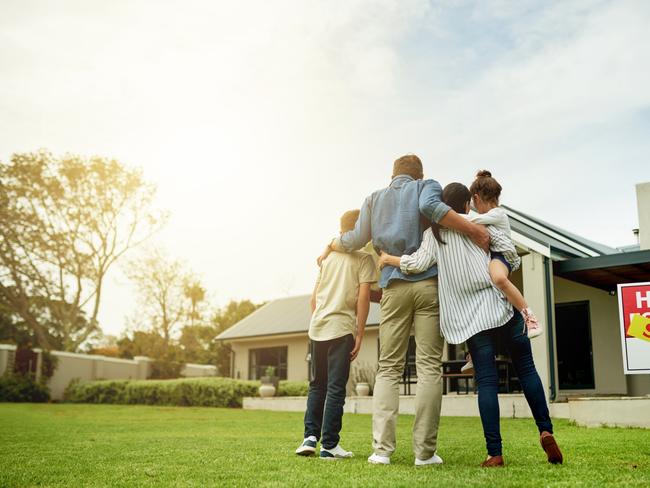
(469, 301)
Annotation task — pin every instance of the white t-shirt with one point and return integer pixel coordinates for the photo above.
(337, 293)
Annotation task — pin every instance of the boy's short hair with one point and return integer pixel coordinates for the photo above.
(349, 220)
(408, 165)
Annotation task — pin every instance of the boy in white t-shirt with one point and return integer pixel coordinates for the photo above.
(340, 304)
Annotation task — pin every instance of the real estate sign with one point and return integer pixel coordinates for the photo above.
(634, 310)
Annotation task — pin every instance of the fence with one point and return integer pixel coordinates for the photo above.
(88, 367)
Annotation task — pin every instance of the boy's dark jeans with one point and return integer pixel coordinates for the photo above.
(482, 347)
(330, 363)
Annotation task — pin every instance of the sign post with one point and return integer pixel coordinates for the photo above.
(634, 311)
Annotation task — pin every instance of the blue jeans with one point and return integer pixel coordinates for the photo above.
(330, 363)
(482, 347)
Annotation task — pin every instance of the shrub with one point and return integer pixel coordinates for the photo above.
(22, 388)
(164, 370)
(195, 392)
(292, 388)
(204, 392)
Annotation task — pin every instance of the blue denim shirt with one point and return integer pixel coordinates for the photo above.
(391, 219)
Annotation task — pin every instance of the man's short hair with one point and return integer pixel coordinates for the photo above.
(349, 220)
(408, 165)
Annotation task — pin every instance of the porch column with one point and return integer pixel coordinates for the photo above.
(534, 279)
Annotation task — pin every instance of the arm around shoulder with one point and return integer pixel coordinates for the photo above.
(423, 258)
(430, 202)
(359, 236)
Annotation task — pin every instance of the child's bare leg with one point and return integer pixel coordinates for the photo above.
(499, 276)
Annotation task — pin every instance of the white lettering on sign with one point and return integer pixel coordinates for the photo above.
(640, 298)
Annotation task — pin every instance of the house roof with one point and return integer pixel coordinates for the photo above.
(605, 272)
(289, 315)
(561, 243)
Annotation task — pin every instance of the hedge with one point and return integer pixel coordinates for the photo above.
(292, 388)
(197, 392)
(22, 388)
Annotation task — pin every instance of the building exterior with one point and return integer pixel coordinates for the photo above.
(568, 280)
(276, 335)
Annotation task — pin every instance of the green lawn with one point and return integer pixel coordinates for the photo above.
(100, 445)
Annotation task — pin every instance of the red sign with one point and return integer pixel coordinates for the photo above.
(634, 310)
(635, 300)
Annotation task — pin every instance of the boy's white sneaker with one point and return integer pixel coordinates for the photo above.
(377, 459)
(435, 459)
(335, 453)
(308, 447)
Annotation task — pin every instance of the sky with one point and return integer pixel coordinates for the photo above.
(262, 122)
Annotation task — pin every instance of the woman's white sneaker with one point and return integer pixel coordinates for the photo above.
(377, 459)
(308, 447)
(435, 459)
(335, 453)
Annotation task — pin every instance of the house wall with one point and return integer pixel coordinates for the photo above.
(297, 348)
(533, 283)
(605, 335)
(643, 205)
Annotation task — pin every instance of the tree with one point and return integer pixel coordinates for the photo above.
(199, 344)
(225, 318)
(233, 313)
(64, 222)
(161, 284)
(167, 357)
(195, 293)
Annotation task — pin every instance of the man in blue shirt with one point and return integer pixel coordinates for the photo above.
(391, 219)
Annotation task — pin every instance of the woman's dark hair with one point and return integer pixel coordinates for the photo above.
(457, 196)
(486, 187)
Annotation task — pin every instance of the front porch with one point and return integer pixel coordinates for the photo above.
(587, 411)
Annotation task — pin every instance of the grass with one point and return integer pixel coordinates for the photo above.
(110, 445)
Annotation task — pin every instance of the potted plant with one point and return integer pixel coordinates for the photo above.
(362, 389)
(269, 382)
(363, 376)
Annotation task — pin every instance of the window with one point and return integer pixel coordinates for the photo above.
(260, 359)
(574, 353)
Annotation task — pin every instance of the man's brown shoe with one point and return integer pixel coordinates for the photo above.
(551, 448)
(493, 462)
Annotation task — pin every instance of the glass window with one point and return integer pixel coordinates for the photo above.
(260, 359)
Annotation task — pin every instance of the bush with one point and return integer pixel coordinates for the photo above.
(22, 388)
(164, 370)
(292, 388)
(196, 392)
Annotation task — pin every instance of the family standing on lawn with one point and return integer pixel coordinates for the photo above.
(444, 275)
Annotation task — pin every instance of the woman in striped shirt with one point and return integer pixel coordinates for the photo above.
(473, 309)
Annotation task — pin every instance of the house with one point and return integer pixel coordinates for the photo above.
(276, 335)
(568, 280)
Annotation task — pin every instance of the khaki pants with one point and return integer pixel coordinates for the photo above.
(405, 304)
